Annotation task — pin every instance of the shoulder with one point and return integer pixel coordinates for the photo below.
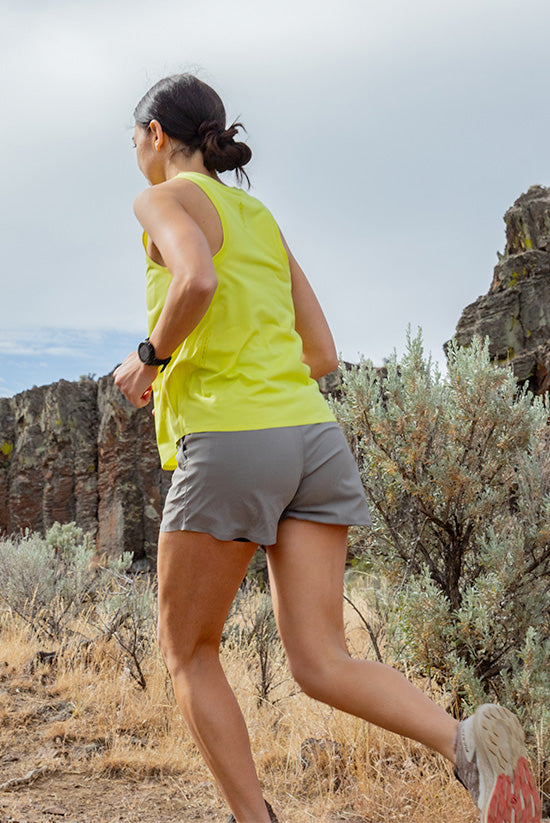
(176, 203)
(161, 194)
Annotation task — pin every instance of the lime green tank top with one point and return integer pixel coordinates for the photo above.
(241, 367)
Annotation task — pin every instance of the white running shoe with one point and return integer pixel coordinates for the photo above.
(491, 763)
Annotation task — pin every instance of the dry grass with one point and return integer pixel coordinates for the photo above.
(87, 717)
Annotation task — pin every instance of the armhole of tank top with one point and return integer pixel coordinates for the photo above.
(149, 260)
(280, 236)
(221, 252)
(284, 252)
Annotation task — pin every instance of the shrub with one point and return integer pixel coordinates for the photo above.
(457, 471)
(57, 585)
(127, 614)
(49, 580)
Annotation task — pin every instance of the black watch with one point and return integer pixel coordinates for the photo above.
(146, 353)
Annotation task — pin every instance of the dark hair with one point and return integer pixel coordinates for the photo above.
(192, 112)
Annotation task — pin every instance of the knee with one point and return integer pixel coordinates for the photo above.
(313, 673)
(182, 652)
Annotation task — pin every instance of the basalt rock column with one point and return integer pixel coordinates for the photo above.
(48, 457)
(515, 314)
(131, 483)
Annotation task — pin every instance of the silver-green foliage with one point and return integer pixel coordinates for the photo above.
(457, 471)
(67, 595)
(49, 580)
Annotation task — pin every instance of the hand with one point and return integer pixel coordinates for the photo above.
(134, 379)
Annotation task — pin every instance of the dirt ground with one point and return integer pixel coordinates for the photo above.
(78, 798)
(45, 778)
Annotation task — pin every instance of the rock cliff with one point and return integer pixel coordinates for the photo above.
(515, 314)
(79, 451)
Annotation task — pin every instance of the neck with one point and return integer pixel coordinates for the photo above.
(177, 163)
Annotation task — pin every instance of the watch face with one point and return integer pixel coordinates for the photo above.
(146, 352)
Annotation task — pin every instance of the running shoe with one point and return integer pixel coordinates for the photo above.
(272, 817)
(491, 763)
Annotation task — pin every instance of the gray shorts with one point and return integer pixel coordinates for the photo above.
(240, 485)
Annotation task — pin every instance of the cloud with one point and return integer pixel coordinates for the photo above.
(39, 342)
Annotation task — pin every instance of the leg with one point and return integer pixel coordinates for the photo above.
(306, 568)
(198, 579)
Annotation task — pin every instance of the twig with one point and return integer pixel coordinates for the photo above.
(368, 628)
(16, 782)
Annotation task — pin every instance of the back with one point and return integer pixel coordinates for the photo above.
(241, 368)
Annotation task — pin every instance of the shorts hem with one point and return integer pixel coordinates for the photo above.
(327, 519)
(263, 540)
(225, 537)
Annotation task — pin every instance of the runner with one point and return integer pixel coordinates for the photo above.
(236, 342)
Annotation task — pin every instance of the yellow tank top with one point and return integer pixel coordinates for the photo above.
(241, 367)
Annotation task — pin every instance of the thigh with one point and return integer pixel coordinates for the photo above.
(198, 577)
(306, 568)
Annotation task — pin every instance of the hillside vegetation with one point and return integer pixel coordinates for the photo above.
(450, 585)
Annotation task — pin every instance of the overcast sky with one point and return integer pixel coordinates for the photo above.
(388, 139)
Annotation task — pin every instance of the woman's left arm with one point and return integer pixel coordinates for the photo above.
(186, 253)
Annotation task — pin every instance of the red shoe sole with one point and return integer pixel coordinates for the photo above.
(519, 803)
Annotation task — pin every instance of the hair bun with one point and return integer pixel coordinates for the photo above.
(220, 150)
(208, 130)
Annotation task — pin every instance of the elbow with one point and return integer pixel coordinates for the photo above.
(330, 360)
(206, 287)
(204, 283)
(200, 289)
(322, 363)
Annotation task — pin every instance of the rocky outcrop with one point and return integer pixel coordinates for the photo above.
(78, 451)
(515, 314)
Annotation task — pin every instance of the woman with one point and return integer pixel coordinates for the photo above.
(236, 340)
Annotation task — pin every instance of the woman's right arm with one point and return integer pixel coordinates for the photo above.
(186, 253)
(311, 324)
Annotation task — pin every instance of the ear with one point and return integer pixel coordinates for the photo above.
(158, 134)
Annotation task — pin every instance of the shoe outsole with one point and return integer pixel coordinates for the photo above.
(508, 793)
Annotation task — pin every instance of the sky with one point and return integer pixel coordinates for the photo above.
(388, 138)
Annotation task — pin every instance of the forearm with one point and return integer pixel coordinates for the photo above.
(187, 302)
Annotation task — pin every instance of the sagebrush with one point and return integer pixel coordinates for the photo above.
(457, 471)
(73, 600)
